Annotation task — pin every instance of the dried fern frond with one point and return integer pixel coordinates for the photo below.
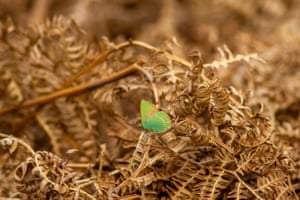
(202, 97)
(218, 102)
(275, 185)
(183, 106)
(240, 192)
(44, 176)
(228, 58)
(213, 184)
(190, 128)
(252, 160)
(87, 97)
(183, 182)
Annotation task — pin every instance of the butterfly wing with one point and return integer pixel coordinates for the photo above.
(147, 111)
(159, 122)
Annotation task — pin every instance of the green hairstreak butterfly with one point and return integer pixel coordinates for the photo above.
(153, 119)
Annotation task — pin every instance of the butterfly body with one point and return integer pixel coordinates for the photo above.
(153, 119)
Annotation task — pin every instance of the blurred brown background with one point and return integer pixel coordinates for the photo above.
(242, 25)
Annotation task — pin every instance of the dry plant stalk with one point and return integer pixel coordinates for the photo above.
(73, 107)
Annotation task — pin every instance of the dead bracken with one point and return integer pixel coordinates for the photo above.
(70, 125)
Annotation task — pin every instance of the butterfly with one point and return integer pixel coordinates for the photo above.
(153, 119)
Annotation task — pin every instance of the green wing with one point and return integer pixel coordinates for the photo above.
(159, 122)
(147, 110)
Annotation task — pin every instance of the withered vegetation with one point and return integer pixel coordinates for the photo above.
(70, 121)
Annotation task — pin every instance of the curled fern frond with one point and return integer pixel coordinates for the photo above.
(197, 66)
(183, 106)
(202, 95)
(219, 102)
(186, 127)
(44, 175)
(197, 134)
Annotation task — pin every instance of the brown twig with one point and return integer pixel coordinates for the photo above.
(74, 90)
(100, 59)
